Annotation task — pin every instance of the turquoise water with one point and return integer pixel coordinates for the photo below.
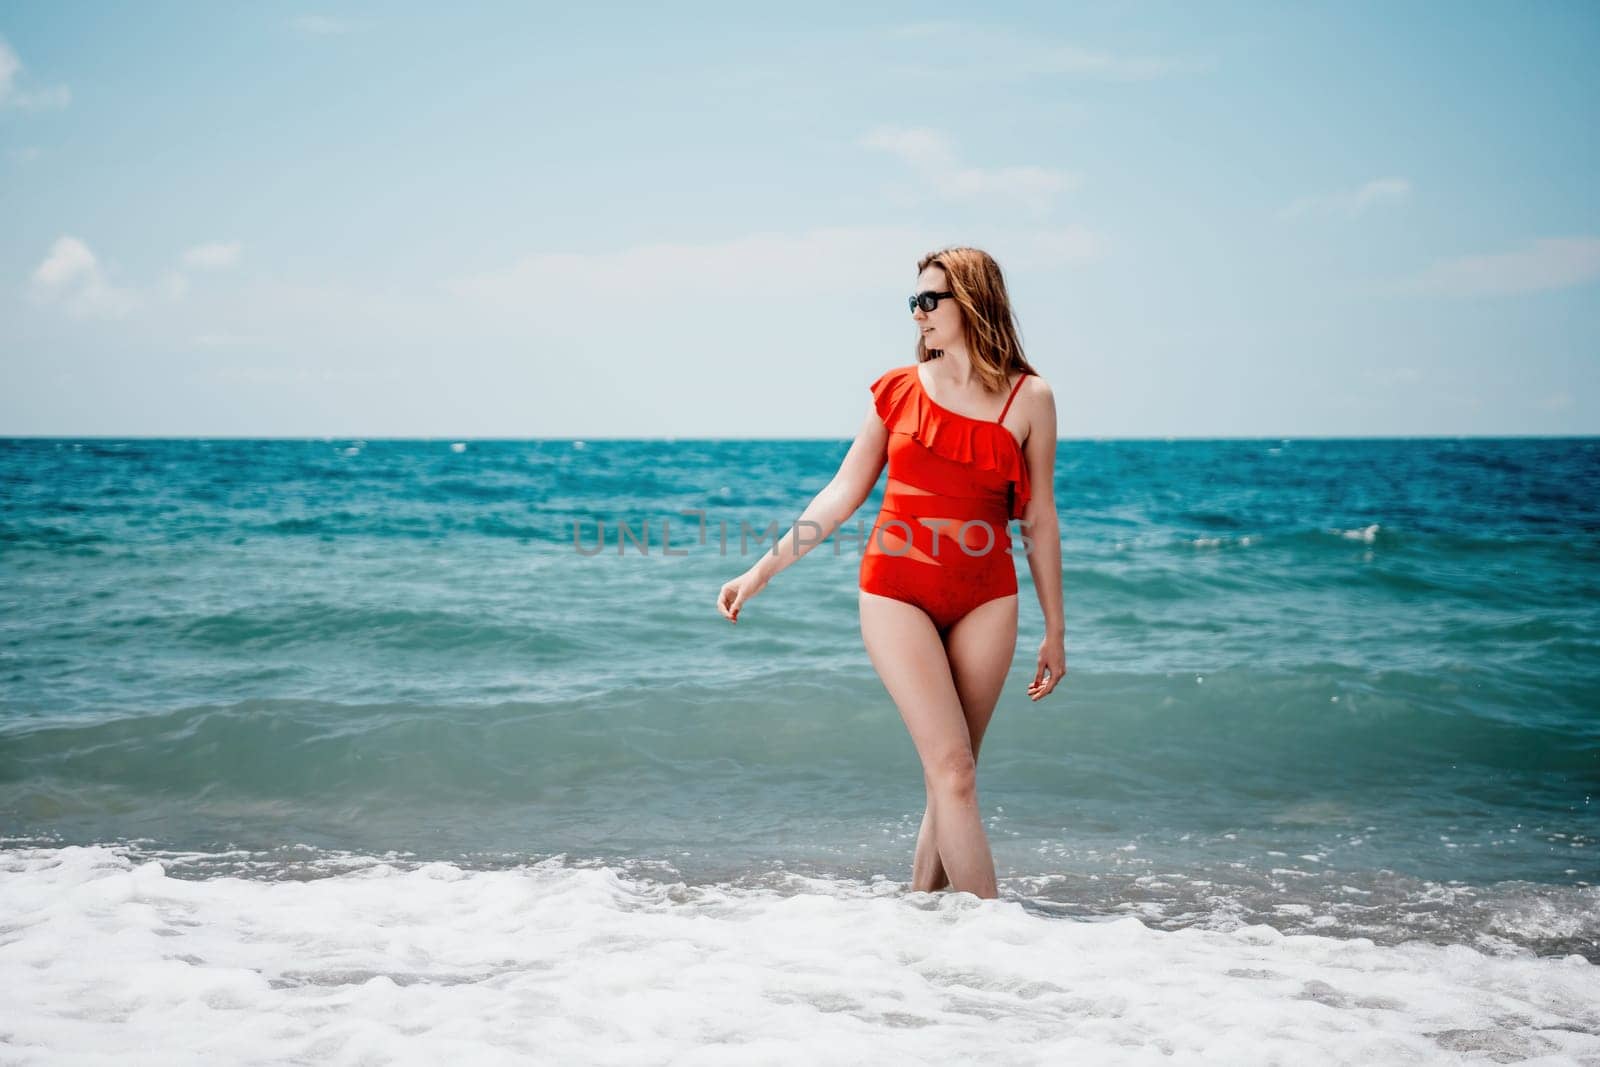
(1330, 686)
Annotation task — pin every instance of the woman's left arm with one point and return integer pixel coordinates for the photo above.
(1042, 527)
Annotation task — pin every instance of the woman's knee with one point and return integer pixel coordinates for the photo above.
(954, 774)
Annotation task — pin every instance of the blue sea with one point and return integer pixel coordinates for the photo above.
(357, 751)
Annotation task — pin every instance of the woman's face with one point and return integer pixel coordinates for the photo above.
(941, 327)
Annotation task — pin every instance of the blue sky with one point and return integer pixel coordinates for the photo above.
(702, 220)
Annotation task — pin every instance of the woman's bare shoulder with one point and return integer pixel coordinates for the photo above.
(1034, 387)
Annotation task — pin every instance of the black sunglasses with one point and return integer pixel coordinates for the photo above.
(926, 301)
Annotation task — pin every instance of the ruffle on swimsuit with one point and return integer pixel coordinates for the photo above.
(906, 408)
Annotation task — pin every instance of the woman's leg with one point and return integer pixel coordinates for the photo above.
(909, 657)
(980, 648)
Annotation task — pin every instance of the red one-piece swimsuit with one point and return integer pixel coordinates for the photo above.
(941, 539)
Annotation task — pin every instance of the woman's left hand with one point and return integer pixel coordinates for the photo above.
(1052, 662)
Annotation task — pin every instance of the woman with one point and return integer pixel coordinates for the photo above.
(969, 434)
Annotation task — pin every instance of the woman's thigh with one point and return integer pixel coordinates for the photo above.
(980, 648)
(906, 651)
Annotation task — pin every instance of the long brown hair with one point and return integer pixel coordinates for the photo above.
(988, 322)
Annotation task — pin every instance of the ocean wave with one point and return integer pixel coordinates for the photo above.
(390, 960)
(434, 630)
(35, 534)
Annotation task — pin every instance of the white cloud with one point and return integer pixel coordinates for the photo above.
(70, 276)
(1560, 400)
(916, 146)
(51, 99)
(831, 260)
(988, 53)
(1550, 263)
(1035, 187)
(30, 99)
(932, 154)
(1082, 62)
(1350, 202)
(214, 255)
(321, 25)
(69, 260)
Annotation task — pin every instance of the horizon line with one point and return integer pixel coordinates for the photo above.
(675, 438)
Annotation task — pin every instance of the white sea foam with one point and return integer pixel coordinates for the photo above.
(100, 953)
(1367, 534)
(1217, 542)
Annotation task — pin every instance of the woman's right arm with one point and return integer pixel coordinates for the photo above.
(837, 501)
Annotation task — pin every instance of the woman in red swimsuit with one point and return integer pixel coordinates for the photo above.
(969, 436)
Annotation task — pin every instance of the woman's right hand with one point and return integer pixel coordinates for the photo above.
(736, 592)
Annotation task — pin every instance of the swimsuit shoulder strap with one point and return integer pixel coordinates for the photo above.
(1014, 390)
